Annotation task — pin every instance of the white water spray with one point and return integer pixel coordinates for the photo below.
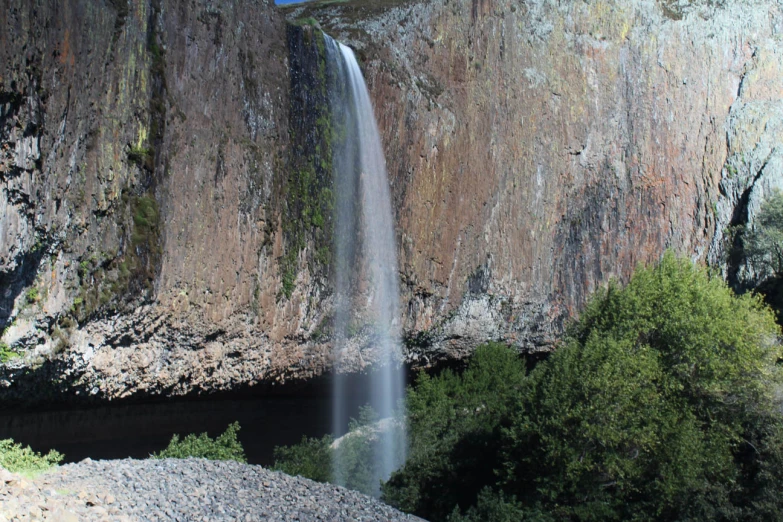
(365, 254)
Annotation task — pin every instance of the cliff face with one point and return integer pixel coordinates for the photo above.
(151, 158)
(541, 148)
(143, 145)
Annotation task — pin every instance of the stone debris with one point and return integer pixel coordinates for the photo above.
(31, 499)
(180, 490)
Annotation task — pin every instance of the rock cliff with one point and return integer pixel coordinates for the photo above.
(160, 172)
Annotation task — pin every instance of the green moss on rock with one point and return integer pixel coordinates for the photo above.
(308, 197)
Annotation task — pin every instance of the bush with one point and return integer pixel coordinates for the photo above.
(495, 507)
(224, 447)
(300, 22)
(142, 157)
(659, 405)
(311, 458)
(454, 422)
(315, 458)
(18, 459)
(7, 353)
(764, 242)
(32, 295)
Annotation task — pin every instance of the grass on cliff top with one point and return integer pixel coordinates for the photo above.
(18, 459)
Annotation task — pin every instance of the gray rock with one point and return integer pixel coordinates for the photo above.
(198, 489)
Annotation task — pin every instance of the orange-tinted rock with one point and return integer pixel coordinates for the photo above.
(536, 149)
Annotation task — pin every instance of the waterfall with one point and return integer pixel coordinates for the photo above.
(366, 275)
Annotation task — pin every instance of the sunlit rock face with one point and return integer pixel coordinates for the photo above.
(538, 149)
(535, 149)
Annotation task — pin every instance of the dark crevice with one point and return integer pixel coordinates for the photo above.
(13, 283)
(214, 336)
(119, 22)
(478, 282)
(745, 75)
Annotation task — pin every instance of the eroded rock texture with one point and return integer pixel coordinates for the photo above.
(540, 148)
(151, 160)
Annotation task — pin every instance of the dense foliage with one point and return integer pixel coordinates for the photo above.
(18, 459)
(313, 458)
(454, 422)
(762, 246)
(764, 242)
(659, 405)
(225, 447)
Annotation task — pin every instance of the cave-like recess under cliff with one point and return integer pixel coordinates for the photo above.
(164, 164)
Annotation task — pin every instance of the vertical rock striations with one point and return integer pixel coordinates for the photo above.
(164, 173)
(540, 148)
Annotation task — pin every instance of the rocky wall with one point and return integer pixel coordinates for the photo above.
(540, 148)
(154, 236)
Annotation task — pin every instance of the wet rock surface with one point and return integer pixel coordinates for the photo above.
(179, 490)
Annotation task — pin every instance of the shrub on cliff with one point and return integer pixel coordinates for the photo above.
(659, 405)
(6, 353)
(18, 459)
(224, 447)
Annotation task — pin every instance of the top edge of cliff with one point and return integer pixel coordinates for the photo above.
(353, 21)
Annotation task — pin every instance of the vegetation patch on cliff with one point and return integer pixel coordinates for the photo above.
(107, 278)
(308, 197)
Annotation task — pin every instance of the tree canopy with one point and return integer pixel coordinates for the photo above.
(660, 404)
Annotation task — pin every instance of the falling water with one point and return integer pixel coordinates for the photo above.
(365, 254)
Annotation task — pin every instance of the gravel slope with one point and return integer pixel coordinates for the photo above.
(182, 490)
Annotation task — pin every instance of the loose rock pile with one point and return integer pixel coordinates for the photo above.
(22, 498)
(181, 490)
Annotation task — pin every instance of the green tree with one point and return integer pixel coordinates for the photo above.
(311, 458)
(454, 422)
(660, 404)
(645, 411)
(764, 242)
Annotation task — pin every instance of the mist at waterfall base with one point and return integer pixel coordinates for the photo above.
(365, 256)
